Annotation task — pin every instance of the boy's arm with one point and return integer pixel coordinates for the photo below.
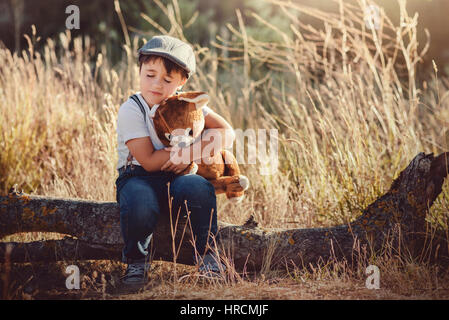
(143, 151)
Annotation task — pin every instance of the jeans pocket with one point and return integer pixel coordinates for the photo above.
(122, 180)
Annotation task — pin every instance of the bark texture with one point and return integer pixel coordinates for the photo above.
(395, 220)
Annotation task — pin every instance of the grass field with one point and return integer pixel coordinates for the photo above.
(350, 110)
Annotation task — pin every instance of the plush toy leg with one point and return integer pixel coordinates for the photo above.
(235, 189)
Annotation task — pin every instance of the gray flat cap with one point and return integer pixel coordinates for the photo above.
(173, 49)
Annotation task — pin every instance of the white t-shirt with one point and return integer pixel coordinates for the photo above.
(131, 125)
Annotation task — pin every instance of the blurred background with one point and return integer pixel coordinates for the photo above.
(100, 22)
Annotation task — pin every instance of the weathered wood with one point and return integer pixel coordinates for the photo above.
(397, 218)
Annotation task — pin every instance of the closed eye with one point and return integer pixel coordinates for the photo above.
(152, 76)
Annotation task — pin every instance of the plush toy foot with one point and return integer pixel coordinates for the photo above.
(234, 191)
(244, 182)
(236, 197)
(237, 184)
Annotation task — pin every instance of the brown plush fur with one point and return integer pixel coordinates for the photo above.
(173, 117)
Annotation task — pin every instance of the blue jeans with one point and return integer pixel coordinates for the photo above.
(143, 197)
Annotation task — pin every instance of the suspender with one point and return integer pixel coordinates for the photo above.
(136, 99)
(130, 156)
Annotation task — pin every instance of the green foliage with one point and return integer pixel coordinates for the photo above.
(201, 20)
(269, 13)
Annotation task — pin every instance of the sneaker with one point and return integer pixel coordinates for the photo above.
(211, 267)
(136, 272)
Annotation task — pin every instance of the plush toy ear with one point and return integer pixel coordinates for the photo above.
(198, 98)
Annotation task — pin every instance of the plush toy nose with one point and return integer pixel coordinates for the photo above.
(181, 141)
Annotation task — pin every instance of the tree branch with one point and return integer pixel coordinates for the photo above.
(395, 219)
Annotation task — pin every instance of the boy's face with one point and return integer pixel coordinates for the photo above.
(155, 84)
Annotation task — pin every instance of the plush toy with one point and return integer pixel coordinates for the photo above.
(179, 121)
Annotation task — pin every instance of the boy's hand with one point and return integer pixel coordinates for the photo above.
(175, 166)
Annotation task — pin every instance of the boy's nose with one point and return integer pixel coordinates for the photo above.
(158, 83)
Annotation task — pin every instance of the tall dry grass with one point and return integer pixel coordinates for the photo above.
(350, 110)
(348, 104)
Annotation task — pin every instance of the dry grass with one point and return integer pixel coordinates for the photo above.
(347, 102)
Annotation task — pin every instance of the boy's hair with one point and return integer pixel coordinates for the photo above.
(168, 64)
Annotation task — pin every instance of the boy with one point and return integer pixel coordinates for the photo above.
(145, 167)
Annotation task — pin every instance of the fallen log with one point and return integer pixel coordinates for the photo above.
(396, 219)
